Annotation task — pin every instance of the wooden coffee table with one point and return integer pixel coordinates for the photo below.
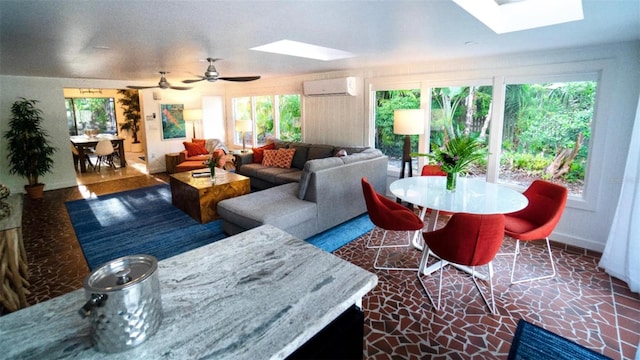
(199, 196)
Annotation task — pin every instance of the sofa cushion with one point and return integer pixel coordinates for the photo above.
(250, 170)
(284, 157)
(277, 206)
(364, 155)
(273, 174)
(355, 149)
(194, 149)
(320, 152)
(269, 158)
(290, 176)
(258, 153)
(313, 166)
(190, 165)
(301, 155)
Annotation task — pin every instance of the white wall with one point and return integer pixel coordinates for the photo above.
(344, 120)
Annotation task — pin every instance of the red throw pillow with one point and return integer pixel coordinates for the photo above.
(280, 158)
(269, 157)
(201, 142)
(258, 153)
(285, 157)
(194, 149)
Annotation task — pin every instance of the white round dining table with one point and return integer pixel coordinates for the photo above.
(470, 196)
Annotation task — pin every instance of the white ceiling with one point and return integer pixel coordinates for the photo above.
(134, 40)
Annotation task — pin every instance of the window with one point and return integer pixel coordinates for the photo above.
(546, 133)
(387, 101)
(89, 114)
(271, 116)
(543, 131)
(461, 110)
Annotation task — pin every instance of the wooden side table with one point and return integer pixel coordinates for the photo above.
(171, 161)
(13, 258)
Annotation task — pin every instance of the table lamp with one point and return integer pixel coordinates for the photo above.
(243, 126)
(192, 115)
(408, 122)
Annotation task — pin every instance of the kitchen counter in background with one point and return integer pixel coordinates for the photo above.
(256, 295)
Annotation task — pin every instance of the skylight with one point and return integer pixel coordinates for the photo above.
(299, 49)
(503, 16)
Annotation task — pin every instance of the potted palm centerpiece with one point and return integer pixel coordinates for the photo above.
(30, 154)
(456, 156)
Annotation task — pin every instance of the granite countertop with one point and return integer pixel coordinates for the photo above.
(256, 295)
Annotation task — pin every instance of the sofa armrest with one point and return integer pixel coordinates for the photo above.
(243, 158)
(183, 156)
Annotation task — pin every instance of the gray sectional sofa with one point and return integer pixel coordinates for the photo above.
(319, 192)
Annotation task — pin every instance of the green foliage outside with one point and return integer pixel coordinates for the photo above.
(542, 122)
(388, 101)
(289, 118)
(91, 113)
(290, 126)
(543, 119)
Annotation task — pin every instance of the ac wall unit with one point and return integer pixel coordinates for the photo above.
(341, 86)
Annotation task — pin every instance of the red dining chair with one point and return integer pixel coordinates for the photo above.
(388, 215)
(537, 220)
(467, 239)
(432, 170)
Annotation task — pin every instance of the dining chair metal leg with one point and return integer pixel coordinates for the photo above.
(515, 258)
(491, 305)
(375, 262)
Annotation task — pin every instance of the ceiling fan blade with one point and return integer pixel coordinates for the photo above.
(141, 87)
(194, 80)
(179, 87)
(239, 78)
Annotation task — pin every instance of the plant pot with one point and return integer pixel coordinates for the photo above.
(35, 191)
(136, 147)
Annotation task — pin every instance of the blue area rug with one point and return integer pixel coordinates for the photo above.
(143, 221)
(140, 221)
(339, 236)
(533, 342)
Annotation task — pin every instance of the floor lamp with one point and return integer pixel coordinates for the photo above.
(192, 115)
(243, 126)
(408, 122)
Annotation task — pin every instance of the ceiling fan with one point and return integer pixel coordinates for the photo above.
(162, 84)
(212, 75)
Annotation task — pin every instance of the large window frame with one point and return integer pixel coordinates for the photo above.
(251, 136)
(576, 71)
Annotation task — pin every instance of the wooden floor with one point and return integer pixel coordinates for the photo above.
(581, 303)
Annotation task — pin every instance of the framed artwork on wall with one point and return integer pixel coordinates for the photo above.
(173, 126)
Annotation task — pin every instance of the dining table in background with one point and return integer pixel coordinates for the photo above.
(471, 195)
(84, 142)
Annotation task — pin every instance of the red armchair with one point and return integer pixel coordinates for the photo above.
(536, 221)
(467, 239)
(195, 155)
(388, 215)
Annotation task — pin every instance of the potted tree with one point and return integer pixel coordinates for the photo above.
(131, 107)
(30, 154)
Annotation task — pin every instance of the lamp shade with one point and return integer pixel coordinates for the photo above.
(192, 114)
(243, 125)
(408, 122)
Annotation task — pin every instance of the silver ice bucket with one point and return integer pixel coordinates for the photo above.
(123, 302)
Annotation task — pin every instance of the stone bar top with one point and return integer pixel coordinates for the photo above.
(260, 294)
